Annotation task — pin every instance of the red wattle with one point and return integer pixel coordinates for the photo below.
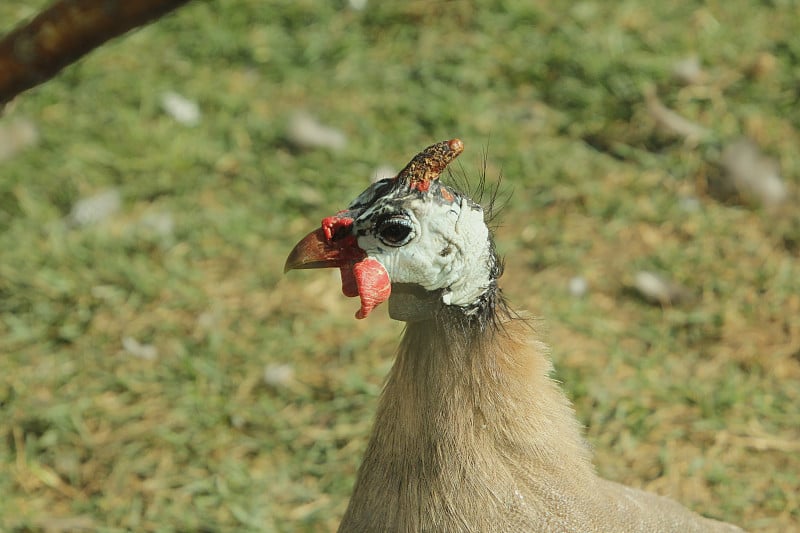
(374, 285)
(362, 276)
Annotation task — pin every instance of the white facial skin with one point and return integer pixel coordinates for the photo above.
(447, 246)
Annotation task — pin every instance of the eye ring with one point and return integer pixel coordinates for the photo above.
(395, 231)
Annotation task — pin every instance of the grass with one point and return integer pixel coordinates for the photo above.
(698, 401)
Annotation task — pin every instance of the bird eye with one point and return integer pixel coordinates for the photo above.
(395, 231)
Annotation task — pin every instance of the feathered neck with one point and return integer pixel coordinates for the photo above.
(468, 417)
(460, 364)
(457, 373)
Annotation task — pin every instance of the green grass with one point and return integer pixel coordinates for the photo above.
(699, 401)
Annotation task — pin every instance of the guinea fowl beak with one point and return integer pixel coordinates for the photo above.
(315, 250)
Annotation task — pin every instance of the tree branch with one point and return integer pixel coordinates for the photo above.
(63, 33)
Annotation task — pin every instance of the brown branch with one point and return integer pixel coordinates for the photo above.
(63, 33)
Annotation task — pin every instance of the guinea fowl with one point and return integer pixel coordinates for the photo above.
(471, 434)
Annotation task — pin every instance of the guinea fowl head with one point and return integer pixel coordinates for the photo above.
(411, 240)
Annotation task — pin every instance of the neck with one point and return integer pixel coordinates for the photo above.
(468, 405)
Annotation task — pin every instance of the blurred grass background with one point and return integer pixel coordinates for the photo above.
(159, 373)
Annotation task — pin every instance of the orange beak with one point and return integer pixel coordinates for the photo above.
(316, 251)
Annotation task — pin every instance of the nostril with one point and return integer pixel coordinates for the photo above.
(337, 227)
(340, 232)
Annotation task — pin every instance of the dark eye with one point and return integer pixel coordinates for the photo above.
(395, 231)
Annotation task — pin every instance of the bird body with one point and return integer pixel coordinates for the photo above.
(471, 433)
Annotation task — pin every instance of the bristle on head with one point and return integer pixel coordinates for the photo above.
(428, 165)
